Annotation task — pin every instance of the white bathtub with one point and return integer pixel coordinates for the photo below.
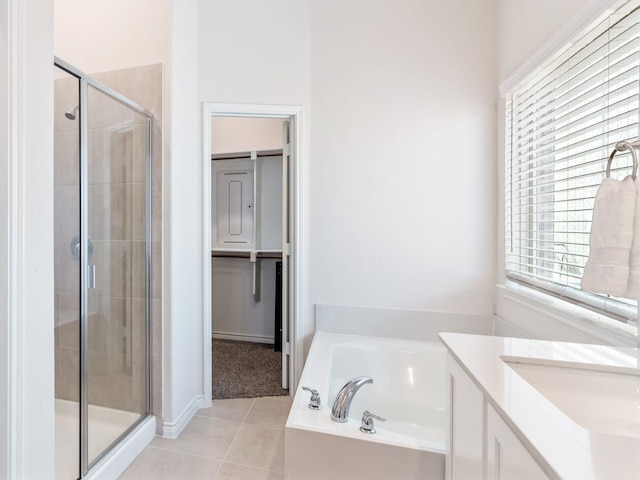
(409, 390)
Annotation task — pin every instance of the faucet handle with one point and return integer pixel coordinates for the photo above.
(314, 403)
(367, 425)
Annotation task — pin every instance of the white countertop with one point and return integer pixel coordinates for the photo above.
(565, 449)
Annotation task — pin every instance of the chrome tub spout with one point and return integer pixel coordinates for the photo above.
(342, 403)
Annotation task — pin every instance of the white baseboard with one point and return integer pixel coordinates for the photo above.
(124, 454)
(173, 429)
(242, 338)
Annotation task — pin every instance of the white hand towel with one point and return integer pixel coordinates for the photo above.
(607, 269)
(633, 288)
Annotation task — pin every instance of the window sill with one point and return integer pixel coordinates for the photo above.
(587, 321)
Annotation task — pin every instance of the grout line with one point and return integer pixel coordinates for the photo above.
(249, 411)
(216, 419)
(224, 458)
(217, 470)
(182, 452)
(255, 468)
(238, 432)
(277, 429)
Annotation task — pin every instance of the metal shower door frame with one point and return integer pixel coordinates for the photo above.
(86, 81)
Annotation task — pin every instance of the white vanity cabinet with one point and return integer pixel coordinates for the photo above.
(507, 458)
(517, 426)
(480, 445)
(465, 433)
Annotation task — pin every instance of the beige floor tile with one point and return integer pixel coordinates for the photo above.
(235, 409)
(205, 437)
(230, 471)
(284, 398)
(269, 412)
(158, 464)
(258, 447)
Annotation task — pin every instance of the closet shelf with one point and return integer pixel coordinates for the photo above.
(238, 155)
(231, 253)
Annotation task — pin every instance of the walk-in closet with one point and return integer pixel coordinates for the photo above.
(248, 224)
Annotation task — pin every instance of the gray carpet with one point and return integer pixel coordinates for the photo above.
(245, 370)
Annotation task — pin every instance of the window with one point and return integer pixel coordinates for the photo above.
(562, 122)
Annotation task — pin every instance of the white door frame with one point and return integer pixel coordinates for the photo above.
(294, 114)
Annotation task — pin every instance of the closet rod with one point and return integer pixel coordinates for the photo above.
(237, 155)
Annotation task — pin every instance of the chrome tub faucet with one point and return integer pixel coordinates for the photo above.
(342, 403)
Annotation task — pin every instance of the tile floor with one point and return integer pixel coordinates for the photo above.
(231, 440)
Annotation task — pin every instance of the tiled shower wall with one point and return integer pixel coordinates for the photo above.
(117, 184)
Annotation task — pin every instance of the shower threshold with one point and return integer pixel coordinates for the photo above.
(105, 426)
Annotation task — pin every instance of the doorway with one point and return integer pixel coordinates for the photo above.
(250, 220)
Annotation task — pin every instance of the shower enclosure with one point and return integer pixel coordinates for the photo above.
(102, 202)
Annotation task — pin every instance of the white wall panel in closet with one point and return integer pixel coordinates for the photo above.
(233, 205)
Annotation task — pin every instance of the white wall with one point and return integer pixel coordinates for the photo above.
(26, 250)
(549, 24)
(97, 36)
(183, 228)
(401, 153)
(235, 315)
(245, 134)
(525, 25)
(403, 160)
(254, 51)
(5, 223)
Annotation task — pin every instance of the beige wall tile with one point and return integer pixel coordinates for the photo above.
(66, 268)
(156, 385)
(68, 334)
(113, 266)
(139, 206)
(67, 373)
(67, 313)
(138, 325)
(139, 154)
(156, 270)
(117, 381)
(111, 324)
(66, 96)
(156, 328)
(139, 269)
(104, 111)
(142, 84)
(66, 154)
(110, 211)
(122, 150)
(66, 211)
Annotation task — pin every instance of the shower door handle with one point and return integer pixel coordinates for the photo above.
(91, 276)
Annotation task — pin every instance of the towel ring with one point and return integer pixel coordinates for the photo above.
(620, 147)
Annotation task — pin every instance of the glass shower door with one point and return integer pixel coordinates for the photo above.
(116, 221)
(66, 206)
(102, 257)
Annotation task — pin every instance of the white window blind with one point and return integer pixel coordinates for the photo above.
(561, 124)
